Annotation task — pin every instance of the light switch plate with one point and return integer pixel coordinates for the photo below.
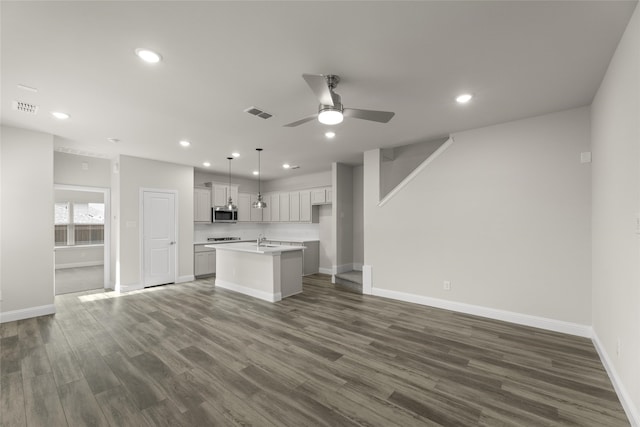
(585, 157)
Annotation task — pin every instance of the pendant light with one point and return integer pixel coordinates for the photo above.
(259, 204)
(230, 206)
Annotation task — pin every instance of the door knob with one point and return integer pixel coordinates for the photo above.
(172, 243)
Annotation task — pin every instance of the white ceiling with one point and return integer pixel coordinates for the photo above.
(519, 58)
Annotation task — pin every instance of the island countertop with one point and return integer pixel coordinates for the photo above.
(252, 247)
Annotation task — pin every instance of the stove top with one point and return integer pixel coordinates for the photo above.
(221, 239)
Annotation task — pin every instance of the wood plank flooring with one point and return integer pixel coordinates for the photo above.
(194, 355)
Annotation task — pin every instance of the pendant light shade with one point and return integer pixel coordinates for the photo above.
(259, 204)
(230, 206)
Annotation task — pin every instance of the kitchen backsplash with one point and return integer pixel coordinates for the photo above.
(251, 230)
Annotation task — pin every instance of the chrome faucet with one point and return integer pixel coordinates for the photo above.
(261, 239)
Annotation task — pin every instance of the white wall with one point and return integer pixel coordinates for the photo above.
(298, 182)
(615, 130)
(79, 256)
(404, 160)
(503, 213)
(136, 173)
(26, 224)
(68, 169)
(245, 185)
(325, 214)
(358, 217)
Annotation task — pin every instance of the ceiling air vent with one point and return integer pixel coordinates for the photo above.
(258, 112)
(25, 107)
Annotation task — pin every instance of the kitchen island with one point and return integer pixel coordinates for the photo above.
(268, 272)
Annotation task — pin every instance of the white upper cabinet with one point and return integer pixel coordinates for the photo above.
(294, 206)
(256, 214)
(202, 205)
(266, 212)
(221, 196)
(244, 207)
(305, 206)
(321, 196)
(275, 207)
(284, 207)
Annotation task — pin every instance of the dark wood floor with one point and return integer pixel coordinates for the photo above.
(194, 355)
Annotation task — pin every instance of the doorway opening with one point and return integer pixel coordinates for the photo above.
(81, 242)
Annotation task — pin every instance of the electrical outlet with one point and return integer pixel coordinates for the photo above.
(446, 285)
(618, 348)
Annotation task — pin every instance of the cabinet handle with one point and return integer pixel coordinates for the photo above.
(172, 243)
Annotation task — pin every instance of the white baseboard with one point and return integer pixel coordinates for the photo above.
(266, 296)
(325, 270)
(492, 313)
(187, 278)
(130, 287)
(79, 264)
(27, 313)
(357, 266)
(367, 281)
(337, 269)
(627, 402)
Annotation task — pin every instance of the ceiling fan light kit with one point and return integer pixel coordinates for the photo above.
(330, 116)
(331, 111)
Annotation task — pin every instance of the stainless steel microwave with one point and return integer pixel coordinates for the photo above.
(223, 214)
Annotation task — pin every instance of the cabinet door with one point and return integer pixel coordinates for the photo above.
(266, 212)
(305, 206)
(275, 207)
(294, 206)
(211, 262)
(256, 214)
(284, 207)
(318, 196)
(219, 195)
(200, 263)
(202, 205)
(244, 207)
(234, 194)
(328, 198)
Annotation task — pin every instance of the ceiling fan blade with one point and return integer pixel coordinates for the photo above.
(373, 115)
(319, 86)
(301, 121)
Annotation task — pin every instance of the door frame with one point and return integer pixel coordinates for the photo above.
(141, 230)
(106, 195)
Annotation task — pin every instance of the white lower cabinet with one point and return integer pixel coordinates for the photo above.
(204, 260)
(310, 255)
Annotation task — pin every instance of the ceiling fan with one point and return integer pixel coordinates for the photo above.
(331, 111)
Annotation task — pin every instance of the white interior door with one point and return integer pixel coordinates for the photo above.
(159, 238)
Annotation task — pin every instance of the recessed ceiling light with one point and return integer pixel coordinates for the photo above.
(185, 143)
(330, 134)
(286, 166)
(464, 98)
(206, 164)
(256, 173)
(114, 140)
(235, 154)
(148, 55)
(59, 115)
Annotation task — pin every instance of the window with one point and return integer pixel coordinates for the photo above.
(87, 227)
